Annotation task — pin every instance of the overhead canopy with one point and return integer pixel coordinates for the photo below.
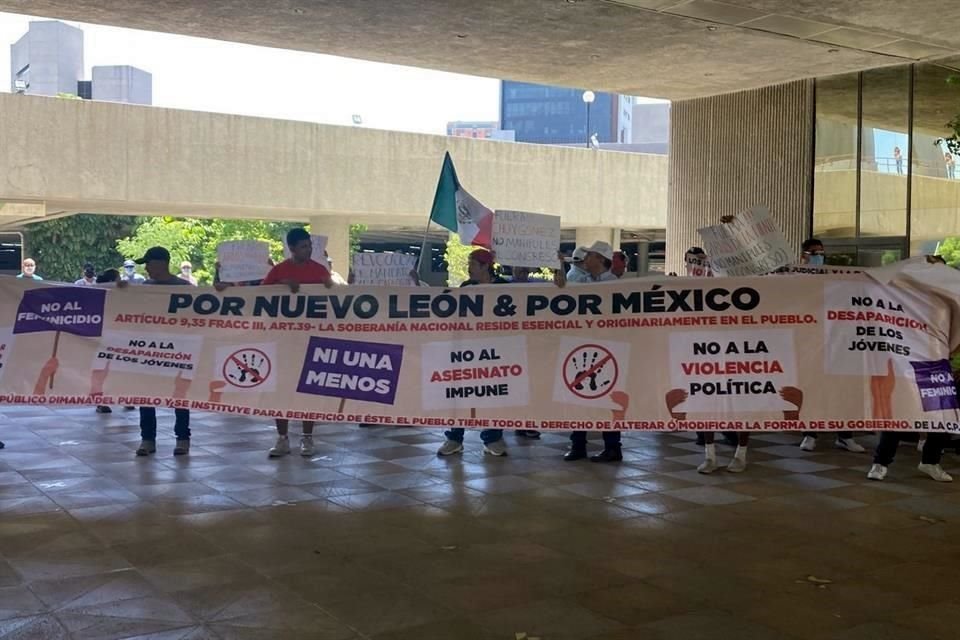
(663, 48)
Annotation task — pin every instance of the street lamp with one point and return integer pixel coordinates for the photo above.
(588, 98)
(20, 86)
(357, 119)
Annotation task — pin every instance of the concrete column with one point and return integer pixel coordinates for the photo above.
(586, 236)
(337, 230)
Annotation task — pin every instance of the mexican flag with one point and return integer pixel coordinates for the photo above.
(458, 211)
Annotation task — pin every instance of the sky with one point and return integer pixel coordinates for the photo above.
(225, 77)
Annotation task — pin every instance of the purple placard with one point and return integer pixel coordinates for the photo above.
(76, 310)
(935, 382)
(367, 371)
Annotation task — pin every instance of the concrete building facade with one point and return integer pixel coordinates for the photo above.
(47, 59)
(122, 83)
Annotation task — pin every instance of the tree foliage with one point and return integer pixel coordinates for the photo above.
(62, 246)
(456, 256)
(196, 239)
(949, 250)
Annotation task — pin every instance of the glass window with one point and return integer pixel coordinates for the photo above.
(884, 142)
(835, 165)
(935, 189)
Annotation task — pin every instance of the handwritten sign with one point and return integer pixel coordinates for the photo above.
(243, 260)
(384, 269)
(523, 239)
(751, 245)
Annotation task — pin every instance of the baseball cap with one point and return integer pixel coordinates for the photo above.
(129, 263)
(601, 247)
(154, 253)
(578, 255)
(482, 256)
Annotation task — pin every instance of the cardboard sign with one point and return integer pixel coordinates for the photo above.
(383, 269)
(243, 260)
(751, 245)
(523, 239)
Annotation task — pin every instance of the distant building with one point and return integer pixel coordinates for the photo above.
(48, 60)
(651, 126)
(122, 83)
(558, 115)
(481, 130)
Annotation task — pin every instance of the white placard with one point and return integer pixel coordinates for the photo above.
(474, 374)
(319, 249)
(383, 269)
(733, 371)
(751, 245)
(157, 354)
(522, 239)
(243, 260)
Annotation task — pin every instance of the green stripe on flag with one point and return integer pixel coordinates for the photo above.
(444, 211)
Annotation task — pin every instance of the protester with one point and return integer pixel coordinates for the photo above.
(335, 277)
(109, 276)
(130, 273)
(481, 270)
(576, 264)
(813, 254)
(296, 270)
(619, 266)
(931, 455)
(594, 267)
(186, 272)
(157, 263)
(29, 270)
(89, 276)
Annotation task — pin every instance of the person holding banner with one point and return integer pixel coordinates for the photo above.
(298, 269)
(481, 270)
(29, 270)
(157, 263)
(595, 267)
(813, 253)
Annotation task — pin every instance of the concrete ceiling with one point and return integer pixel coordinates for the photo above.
(664, 48)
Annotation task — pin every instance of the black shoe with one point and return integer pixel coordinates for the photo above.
(528, 433)
(364, 425)
(575, 454)
(2, 445)
(608, 455)
(102, 409)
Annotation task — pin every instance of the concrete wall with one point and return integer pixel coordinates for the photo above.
(92, 156)
(733, 151)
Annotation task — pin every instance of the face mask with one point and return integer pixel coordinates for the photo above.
(816, 261)
(129, 269)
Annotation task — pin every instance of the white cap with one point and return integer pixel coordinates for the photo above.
(579, 254)
(601, 247)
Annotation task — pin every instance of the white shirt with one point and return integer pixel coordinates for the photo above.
(583, 277)
(83, 282)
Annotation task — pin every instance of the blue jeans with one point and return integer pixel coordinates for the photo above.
(486, 436)
(148, 423)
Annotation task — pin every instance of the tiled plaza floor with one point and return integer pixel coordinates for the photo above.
(375, 537)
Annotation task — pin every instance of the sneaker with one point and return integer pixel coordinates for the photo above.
(877, 472)
(737, 465)
(850, 445)
(809, 443)
(936, 472)
(103, 409)
(306, 445)
(528, 433)
(147, 447)
(496, 448)
(182, 448)
(450, 447)
(709, 465)
(282, 447)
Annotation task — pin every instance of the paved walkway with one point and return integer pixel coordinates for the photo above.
(375, 537)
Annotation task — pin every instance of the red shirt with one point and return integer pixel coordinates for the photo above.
(308, 272)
